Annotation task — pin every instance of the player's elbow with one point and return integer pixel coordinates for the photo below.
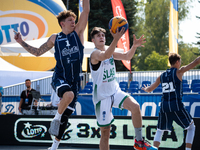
(87, 10)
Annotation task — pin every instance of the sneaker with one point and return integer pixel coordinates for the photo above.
(143, 145)
(54, 127)
(49, 148)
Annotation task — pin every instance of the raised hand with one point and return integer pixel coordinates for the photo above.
(118, 34)
(144, 88)
(18, 37)
(138, 42)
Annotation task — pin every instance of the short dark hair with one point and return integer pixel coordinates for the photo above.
(96, 30)
(27, 80)
(173, 57)
(65, 14)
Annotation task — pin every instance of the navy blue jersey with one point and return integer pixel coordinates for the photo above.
(172, 91)
(69, 57)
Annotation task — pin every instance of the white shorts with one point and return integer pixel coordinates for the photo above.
(103, 108)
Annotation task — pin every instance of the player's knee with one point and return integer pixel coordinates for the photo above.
(132, 105)
(68, 96)
(105, 132)
(135, 108)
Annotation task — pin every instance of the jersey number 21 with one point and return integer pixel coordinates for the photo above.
(168, 87)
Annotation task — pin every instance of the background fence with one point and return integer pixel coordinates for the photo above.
(44, 84)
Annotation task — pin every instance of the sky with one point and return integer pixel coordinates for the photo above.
(189, 27)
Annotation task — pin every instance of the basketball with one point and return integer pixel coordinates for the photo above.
(116, 22)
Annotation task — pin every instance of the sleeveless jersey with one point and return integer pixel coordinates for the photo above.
(69, 56)
(172, 91)
(104, 81)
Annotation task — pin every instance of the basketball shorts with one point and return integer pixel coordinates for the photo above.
(103, 108)
(182, 118)
(61, 86)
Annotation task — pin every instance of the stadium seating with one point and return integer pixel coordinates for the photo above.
(88, 86)
(123, 89)
(184, 82)
(142, 91)
(196, 87)
(123, 85)
(132, 90)
(186, 89)
(90, 83)
(194, 81)
(134, 84)
(158, 90)
(145, 83)
(86, 90)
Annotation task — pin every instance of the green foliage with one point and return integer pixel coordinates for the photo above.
(155, 61)
(155, 26)
(198, 34)
(188, 54)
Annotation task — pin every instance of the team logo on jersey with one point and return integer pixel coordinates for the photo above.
(111, 61)
(109, 75)
(70, 51)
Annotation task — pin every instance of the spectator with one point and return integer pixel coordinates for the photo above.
(26, 97)
(1, 94)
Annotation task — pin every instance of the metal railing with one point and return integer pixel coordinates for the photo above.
(44, 84)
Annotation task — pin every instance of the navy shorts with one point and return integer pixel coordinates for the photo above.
(182, 118)
(61, 86)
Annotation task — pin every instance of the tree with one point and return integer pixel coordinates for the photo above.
(198, 34)
(155, 26)
(155, 61)
(188, 54)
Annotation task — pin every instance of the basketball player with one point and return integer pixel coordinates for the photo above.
(68, 46)
(172, 108)
(106, 92)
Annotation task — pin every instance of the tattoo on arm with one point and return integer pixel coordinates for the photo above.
(36, 51)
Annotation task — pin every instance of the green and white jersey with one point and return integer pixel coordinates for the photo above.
(104, 80)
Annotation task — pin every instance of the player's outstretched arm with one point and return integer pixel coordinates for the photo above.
(103, 55)
(36, 51)
(82, 22)
(129, 54)
(152, 86)
(189, 66)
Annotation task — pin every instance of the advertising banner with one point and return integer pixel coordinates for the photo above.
(35, 20)
(118, 10)
(32, 18)
(149, 105)
(173, 27)
(28, 130)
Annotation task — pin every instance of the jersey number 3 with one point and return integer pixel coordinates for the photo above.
(168, 87)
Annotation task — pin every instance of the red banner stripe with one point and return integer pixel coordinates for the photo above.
(118, 10)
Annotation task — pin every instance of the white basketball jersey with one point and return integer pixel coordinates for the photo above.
(104, 81)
